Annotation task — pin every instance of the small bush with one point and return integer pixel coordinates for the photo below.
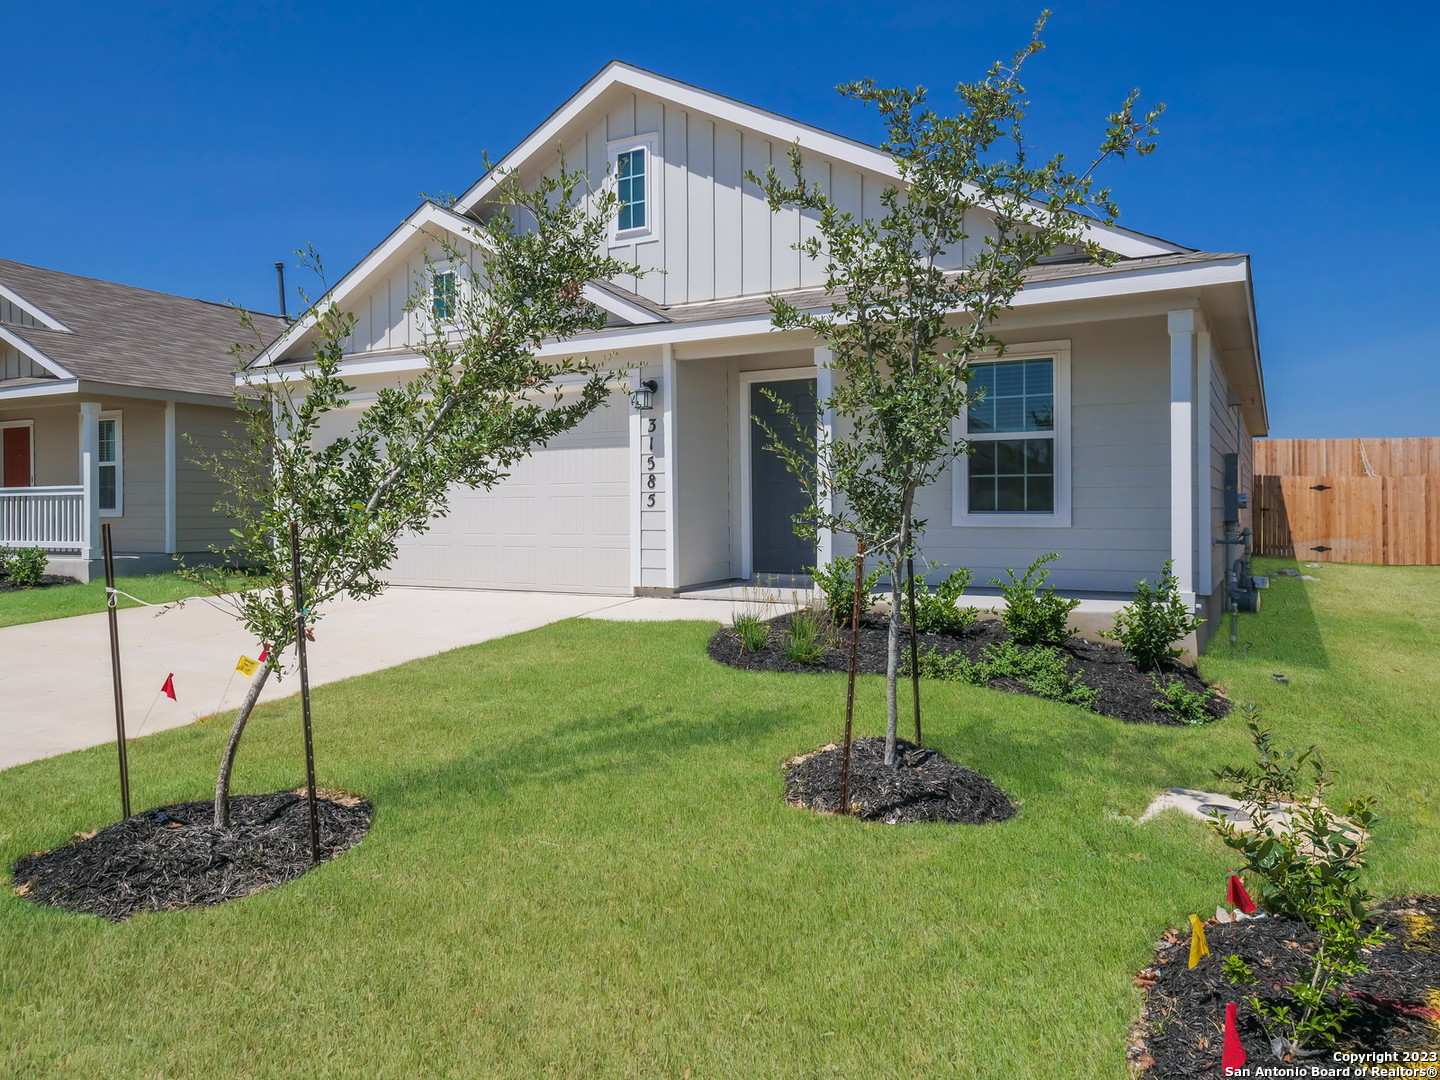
(954, 667)
(752, 632)
(1149, 626)
(937, 611)
(836, 582)
(1308, 868)
(24, 567)
(1190, 706)
(1043, 670)
(807, 637)
(1035, 616)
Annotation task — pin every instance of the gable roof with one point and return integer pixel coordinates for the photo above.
(120, 335)
(1125, 242)
(423, 222)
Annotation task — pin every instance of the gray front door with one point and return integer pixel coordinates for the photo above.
(775, 495)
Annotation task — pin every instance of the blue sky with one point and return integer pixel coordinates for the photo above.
(187, 146)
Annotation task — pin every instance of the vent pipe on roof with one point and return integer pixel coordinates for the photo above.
(280, 281)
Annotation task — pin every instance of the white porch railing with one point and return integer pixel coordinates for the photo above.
(52, 518)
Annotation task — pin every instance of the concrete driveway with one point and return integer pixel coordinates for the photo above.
(55, 691)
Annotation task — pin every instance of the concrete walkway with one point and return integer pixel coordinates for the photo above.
(55, 691)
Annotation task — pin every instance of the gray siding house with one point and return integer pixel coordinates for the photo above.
(1148, 371)
(102, 388)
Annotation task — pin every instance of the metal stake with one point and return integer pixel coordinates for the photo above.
(854, 669)
(299, 592)
(115, 666)
(914, 650)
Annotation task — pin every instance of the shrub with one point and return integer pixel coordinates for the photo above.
(836, 582)
(807, 637)
(1035, 616)
(937, 611)
(1177, 700)
(1308, 864)
(1149, 626)
(24, 567)
(1043, 670)
(5, 558)
(752, 632)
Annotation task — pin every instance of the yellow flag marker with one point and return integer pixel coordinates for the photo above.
(248, 667)
(1199, 947)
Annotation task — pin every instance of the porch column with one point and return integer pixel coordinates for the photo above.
(1182, 328)
(824, 386)
(90, 478)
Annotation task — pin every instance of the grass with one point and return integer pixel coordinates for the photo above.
(592, 873)
(62, 601)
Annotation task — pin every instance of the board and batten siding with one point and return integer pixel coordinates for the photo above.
(16, 365)
(716, 236)
(15, 315)
(1120, 474)
(383, 321)
(200, 428)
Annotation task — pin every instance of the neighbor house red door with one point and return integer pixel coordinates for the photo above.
(15, 454)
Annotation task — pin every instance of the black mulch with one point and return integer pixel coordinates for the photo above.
(1126, 692)
(923, 785)
(175, 857)
(1182, 1023)
(6, 585)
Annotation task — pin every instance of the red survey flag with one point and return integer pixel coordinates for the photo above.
(264, 653)
(1232, 1057)
(169, 688)
(1236, 896)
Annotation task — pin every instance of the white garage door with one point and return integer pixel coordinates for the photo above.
(558, 524)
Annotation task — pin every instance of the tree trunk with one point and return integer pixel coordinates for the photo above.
(892, 665)
(227, 763)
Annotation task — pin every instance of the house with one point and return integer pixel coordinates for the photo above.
(102, 388)
(1150, 369)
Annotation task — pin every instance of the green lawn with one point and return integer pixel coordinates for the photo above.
(62, 601)
(581, 866)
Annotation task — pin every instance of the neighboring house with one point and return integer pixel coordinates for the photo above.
(1142, 374)
(100, 386)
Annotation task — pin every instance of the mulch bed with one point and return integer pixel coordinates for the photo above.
(175, 857)
(1126, 692)
(6, 585)
(1181, 1026)
(923, 785)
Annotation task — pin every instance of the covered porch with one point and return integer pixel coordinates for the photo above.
(63, 467)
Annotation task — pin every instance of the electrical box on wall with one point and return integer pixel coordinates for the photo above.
(1234, 499)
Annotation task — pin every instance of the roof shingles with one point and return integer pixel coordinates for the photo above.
(126, 336)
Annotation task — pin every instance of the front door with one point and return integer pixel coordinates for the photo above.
(15, 456)
(775, 494)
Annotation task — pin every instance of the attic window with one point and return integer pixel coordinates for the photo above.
(442, 294)
(636, 193)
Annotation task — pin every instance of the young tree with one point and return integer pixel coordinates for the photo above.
(902, 325)
(481, 403)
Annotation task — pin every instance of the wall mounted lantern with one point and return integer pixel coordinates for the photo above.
(644, 395)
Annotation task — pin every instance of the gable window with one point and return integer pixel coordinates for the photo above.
(442, 294)
(632, 165)
(630, 174)
(1018, 470)
(110, 493)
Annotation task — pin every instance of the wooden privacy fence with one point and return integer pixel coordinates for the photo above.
(1349, 500)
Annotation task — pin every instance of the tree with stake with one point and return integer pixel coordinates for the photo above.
(482, 402)
(902, 326)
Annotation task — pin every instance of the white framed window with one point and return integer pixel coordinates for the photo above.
(1018, 471)
(109, 452)
(444, 292)
(637, 190)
